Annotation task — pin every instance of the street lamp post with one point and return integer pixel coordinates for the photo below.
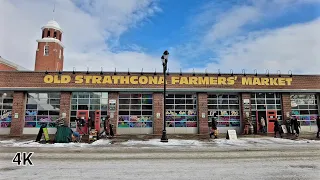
(164, 59)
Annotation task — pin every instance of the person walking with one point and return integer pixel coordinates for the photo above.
(288, 125)
(296, 126)
(292, 125)
(277, 128)
(214, 128)
(263, 125)
(318, 124)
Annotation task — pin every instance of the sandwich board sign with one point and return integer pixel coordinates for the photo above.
(231, 135)
(284, 129)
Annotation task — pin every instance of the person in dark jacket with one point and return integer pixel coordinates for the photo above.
(288, 126)
(292, 125)
(213, 128)
(277, 128)
(296, 126)
(318, 124)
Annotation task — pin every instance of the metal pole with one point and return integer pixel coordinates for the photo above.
(164, 132)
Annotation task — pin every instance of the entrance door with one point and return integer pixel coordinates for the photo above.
(271, 118)
(85, 114)
(97, 120)
(260, 114)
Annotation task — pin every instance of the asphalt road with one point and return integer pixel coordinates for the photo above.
(295, 164)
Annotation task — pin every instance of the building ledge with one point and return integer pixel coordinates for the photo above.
(51, 40)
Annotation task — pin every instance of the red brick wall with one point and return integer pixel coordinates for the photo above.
(4, 67)
(35, 79)
(286, 105)
(49, 62)
(203, 108)
(158, 108)
(17, 124)
(114, 120)
(65, 104)
(243, 113)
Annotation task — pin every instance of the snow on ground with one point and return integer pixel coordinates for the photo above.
(241, 142)
(172, 142)
(31, 143)
(266, 141)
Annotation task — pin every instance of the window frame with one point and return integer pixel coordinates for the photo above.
(6, 113)
(234, 113)
(306, 119)
(46, 50)
(172, 114)
(126, 120)
(50, 115)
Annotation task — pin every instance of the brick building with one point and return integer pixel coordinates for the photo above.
(135, 100)
(6, 65)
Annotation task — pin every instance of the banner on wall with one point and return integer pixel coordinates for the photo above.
(181, 80)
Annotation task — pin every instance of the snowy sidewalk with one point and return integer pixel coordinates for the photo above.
(241, 142)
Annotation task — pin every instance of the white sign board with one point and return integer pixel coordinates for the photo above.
(284, 128)
(112, 101)
(246, 101)
(203, 115)
(112, 115)
(158, 115)
(16, 115)
(232, 135)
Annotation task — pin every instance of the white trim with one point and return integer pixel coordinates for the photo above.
(52, 27)
(35, 130)
(11, 64)
(51, 40)
(4, 131)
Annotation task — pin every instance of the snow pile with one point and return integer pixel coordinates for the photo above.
(36, 144)
(172, 142)
(101, 142)
(13, 143)
(267, 141)
(226, 142)
(7, 141)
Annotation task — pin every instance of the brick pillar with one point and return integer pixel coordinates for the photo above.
(65, 104)
(17, 124)
(243, 112)
(286, 105)
(203, 108)
(157, 108)
(114, 120)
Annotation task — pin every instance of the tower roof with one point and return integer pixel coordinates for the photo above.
(52, 24)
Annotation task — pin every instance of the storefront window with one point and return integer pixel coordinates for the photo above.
(227, 109)
(262, 104)
(6, 102)
(181, 110)
(135, 111)
(305, 108)
(42, 108)
(89, 102)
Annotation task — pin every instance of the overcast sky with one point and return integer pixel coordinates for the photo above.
(232, 34)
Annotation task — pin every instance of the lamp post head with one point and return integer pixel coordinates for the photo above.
(164, 57)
